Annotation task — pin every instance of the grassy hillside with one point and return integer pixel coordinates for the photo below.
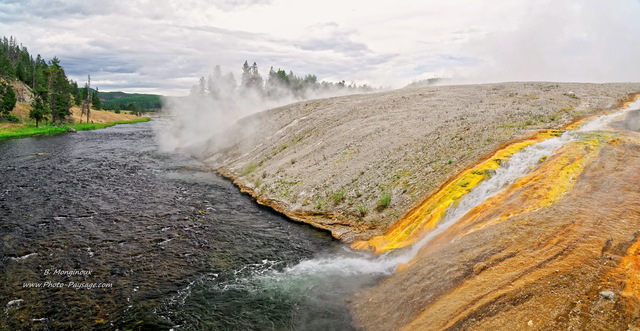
(26, 127)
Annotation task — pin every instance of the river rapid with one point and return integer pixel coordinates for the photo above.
(102, 230)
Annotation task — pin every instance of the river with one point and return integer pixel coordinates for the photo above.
(101, 230)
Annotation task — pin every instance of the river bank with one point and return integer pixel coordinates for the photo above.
(354, 165)
(99, 119)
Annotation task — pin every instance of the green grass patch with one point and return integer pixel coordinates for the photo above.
(338, 196)
(249, 169)
(363, 210)
(384, 201)
(28, 130)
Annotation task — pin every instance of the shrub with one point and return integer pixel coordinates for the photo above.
(11, 118)
(363, 210)
(384, 201)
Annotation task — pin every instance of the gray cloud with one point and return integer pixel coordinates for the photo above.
(229, 5)
(335, 44)
(19, 9)
(164, 46)
(137, 44)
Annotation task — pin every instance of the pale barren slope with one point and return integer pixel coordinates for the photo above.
(328, 162)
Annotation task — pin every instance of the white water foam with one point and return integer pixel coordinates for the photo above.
(602, 122)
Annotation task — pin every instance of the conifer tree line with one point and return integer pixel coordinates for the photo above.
(278, 84)
(53, 92)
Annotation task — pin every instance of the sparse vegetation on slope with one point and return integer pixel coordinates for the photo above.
(406, 143)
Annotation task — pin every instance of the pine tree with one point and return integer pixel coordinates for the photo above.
(256, 79)
(8, 100)
(58, 87)
(95, 100)
(246, 76)
(39, 106)
(6, 68)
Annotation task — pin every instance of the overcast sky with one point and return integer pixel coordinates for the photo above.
(162, 46)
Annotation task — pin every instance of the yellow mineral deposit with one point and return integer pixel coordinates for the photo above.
(542, 187)
(426, 215)
(630, 265)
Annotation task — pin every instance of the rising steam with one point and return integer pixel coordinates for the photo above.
(202, 121)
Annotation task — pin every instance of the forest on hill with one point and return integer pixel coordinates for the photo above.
(52, 93)
(130, 101)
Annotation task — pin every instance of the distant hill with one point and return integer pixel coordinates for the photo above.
(123, 101)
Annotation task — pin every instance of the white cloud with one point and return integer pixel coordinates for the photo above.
(163, 46)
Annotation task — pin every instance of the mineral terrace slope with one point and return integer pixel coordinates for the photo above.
(573, 265)
(329, 162)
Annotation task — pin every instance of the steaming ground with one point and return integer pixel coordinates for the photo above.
(203, 120)
(329, 162)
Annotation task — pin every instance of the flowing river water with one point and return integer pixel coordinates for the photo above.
(101, 230)
(180, 247)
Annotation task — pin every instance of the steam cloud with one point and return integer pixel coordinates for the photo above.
(202, 121)
(581, 41)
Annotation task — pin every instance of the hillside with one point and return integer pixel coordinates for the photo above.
(97, 116)
(122, 100)
(354, 165)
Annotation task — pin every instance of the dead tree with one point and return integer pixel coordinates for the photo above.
(86, 103)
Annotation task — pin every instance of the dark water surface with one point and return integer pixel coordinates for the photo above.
(163, 243)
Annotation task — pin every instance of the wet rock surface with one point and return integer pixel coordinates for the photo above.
(106, 207)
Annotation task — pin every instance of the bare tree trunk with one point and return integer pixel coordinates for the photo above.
(86, 103)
